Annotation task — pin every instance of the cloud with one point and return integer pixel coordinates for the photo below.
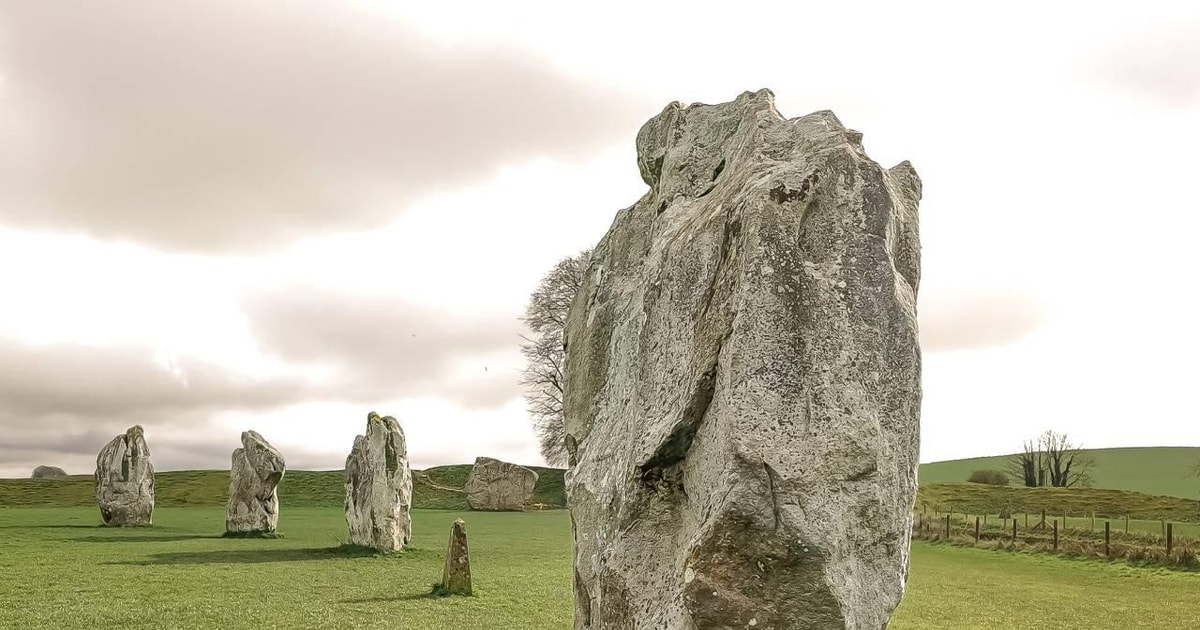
(1162, 64)
(974, 320)
(383, 347)
(62, 402)
(184, 439)
(214, 126)
(80, 380)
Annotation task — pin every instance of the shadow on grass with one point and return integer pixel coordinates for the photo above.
(252, 556)
(96, 526)
(389, 599)
(144, 538)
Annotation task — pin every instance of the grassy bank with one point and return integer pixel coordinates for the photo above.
(1160, 470)
(299, 488)
(1080, 502)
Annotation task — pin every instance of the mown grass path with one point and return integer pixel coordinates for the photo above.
(61, 571)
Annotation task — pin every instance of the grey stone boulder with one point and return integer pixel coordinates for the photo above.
(499, 486)
(47, 472)
(254, 475)
(379, 487)
(456, 576)
(743, 381)
(125, 480)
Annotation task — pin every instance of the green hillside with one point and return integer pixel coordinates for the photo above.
(1163, 470)
(432, 489)
(977, 498)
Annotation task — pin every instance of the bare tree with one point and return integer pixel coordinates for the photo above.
(543, 377)
(1027, 464)
(1052, 460)
(1067, 464)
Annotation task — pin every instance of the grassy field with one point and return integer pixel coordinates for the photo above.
(61, 571)
(1162, 470)
(983, 499)
(299, 488)
(955, 588)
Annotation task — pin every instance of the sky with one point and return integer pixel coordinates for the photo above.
(225, 215)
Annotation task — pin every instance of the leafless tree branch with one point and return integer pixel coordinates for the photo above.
(544, 375)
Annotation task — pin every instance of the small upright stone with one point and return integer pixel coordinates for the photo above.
(125, 480)
(379, 487)
(254, 476)
(456, 578)
(494, 485)
(47, 472)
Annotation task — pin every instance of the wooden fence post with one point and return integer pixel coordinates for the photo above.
(1055, 534)
(1105, 539)
(976, 530)
(1093, 527)
(947, 526)
(1169, 528)
(1126, 523)
(1043, 516)
(1026, 520)
(1014, 537)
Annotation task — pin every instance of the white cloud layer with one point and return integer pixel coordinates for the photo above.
(208, 239)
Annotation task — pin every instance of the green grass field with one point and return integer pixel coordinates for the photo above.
(63, 572)
(951, 588)
(1165, 470)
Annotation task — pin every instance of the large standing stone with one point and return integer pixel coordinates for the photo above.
(125, 480)
(743, 381)
(497, 485)
(456, 577)
(254, 476)
(47, 472)
(379, 487)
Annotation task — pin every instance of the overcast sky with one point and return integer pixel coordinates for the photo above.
(228, 215)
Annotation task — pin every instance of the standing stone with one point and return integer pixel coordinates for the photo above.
(125, 480)
(496, 485)
(47, 472)
(254, 476)
(379, 487)
(456, 578)
(743, 381)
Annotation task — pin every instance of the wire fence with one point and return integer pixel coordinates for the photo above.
(1159, 543)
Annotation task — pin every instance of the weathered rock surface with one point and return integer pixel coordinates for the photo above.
(743, 381)
(47, 472)
(254, 476)
(496, 485)
(125, 480)
(379, 487)
(456, 577)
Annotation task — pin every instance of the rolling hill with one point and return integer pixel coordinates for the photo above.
(1161, 470)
